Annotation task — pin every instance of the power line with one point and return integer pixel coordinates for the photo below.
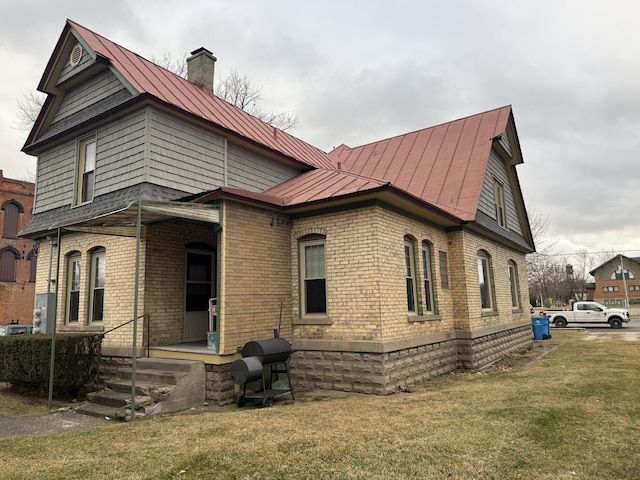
(584, 253)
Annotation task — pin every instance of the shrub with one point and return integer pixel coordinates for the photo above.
(25, 361)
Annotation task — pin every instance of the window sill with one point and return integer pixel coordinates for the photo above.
(423, 318)
(517, 310)
(489, 313)
(313, 320)
(81, 328)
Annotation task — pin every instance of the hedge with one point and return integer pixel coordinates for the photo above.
(25, 361)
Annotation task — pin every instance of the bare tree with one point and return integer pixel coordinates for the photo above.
(241, 92)
(28, 110)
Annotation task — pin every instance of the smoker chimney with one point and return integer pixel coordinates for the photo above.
(200, 67)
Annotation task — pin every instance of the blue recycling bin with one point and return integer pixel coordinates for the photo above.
(540, 327)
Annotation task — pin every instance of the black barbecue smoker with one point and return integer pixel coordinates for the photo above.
(262, 363)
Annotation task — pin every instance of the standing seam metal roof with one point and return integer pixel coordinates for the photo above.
(146, 77)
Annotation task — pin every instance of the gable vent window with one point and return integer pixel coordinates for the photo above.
(501, 214)
(76, 55)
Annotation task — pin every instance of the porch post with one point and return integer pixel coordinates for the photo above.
(135, 315)
(55, 321)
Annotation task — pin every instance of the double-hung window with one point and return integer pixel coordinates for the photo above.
(515, 287)
(73, 288)
(429, 291)
(313, 274)
(98, 262)
(486, 281)
(86, 170)
(410, 275)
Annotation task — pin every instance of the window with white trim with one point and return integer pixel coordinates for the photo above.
(427, 275)
(617, 275)
(86, 170)
(410, 275)
(73, 288)
(98, 275)
(313, 285)
(485, 276)
(514, 285)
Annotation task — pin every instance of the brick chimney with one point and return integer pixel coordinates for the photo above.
(200, 67)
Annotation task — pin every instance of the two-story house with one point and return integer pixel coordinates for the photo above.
(385, 264)
(18, 256)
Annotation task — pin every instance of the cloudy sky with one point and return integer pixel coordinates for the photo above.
(358, 71)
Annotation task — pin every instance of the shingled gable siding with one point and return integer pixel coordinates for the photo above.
(496, 170)
(92, 91)
(68, 71)
(255, 279)
(252, 172)
(119, 163)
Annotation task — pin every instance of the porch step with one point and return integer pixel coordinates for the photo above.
(162, 386)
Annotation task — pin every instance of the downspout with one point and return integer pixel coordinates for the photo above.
(135, 315)
(50, 262)
(55, 321)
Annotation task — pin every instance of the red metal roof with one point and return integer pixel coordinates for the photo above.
(146, 77)
(442, 165)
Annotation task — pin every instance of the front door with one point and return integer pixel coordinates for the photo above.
(198, 290)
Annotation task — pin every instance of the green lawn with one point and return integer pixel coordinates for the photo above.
(573, 414)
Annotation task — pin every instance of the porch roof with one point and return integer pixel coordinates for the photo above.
(123, 221)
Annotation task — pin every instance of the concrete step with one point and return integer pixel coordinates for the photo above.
(124, 386)
(166, 364)
(152, 376)
(95, 410)
(109, 398)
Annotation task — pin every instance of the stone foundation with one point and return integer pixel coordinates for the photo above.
(219, 387)
(478, 349)
(372, 373)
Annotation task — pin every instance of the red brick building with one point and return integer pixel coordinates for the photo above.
(17, 255)
(616, 281)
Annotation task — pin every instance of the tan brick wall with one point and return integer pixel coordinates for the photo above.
(118, 290)
(366, 290)
(464, 265)
(255, 275)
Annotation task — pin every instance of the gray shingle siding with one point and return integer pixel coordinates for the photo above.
(97, 88)
(496, 170)
(252, 172)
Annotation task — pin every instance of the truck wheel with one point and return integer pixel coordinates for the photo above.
(560, 322)
(615, 323)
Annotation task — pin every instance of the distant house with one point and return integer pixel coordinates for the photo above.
(617, 281)
(18, 256)
(385, 264)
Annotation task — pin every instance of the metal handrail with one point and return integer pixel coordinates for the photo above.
(115, 328)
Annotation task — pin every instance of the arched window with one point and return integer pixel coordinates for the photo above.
(485, 274)
(617, 275)
(410, 274)
(514, 284)
(427, 275)
(33, 264)
(12, 211)
(96, 292)
(8, 258)
(74, 270)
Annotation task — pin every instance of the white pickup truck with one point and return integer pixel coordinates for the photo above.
(589, 312)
